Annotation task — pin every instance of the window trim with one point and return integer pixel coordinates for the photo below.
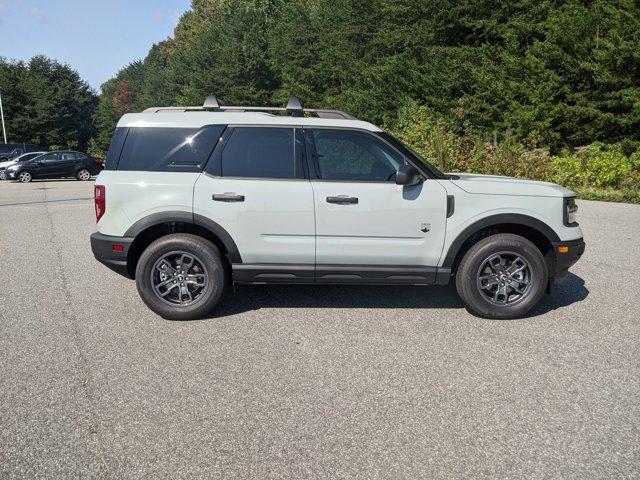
(312, 156)
(213, 168)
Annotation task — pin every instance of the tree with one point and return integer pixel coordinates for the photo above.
(46, 103)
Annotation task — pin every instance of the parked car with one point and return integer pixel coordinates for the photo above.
(22, 158)
(9, 151)
(67, 163)
(197, 198)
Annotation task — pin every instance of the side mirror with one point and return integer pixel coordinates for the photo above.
(407, 175)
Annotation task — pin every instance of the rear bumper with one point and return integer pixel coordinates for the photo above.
(575, 249)
(103, 249)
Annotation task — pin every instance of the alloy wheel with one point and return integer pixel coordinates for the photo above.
(84, 175)
(179, 278)
(24, 177)
(504, 278)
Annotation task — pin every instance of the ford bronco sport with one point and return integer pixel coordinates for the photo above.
(194, 199)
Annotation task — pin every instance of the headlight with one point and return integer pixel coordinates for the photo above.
(570, 212)
(12, 167)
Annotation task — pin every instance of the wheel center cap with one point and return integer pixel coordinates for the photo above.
(180, 277)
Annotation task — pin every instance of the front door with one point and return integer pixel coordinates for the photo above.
(362, 217)
(255, 188)
(47, 165)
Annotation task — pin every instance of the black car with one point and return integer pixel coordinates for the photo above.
(9, 151)
(62, 164)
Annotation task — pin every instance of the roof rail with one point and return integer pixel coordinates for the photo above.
(293, 108)
(210, 103)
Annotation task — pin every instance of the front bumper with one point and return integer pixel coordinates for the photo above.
(10, 174)
(566, 254)
(112, 251)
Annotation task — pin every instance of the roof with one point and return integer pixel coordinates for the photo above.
(179, 118)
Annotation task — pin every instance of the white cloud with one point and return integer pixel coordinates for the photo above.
(169, 16)
(39, 14)
(3, 8)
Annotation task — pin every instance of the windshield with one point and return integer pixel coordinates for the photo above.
(408, 152)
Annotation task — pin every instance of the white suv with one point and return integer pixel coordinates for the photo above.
(194, 199)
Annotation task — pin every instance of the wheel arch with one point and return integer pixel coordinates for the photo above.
(157, 225)
(534, 230)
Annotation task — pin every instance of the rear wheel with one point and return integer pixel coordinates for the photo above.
(502, 276)
(83, 174)
(24, 177)
(181, 276)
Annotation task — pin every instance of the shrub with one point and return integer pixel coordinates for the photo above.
(589, 169)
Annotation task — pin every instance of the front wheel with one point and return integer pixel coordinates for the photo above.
(181, 276)
(24, 177)
(502, 276)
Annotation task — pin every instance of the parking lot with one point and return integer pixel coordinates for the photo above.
(304, 381)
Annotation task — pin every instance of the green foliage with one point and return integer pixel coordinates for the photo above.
(595, 171)
(46, 103)
(552, 74)
(506, 88)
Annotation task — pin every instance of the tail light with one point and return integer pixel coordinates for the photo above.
(99, 198)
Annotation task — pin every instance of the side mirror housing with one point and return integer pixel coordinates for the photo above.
(407, 175)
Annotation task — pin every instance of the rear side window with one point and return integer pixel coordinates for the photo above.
(261, 152)
(167, 149)
(113, 154)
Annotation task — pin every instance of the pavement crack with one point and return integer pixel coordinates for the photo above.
(82, 364)
(45, 201)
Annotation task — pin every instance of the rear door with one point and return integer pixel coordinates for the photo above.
(66, 165)
(362, 217)
(255, 187)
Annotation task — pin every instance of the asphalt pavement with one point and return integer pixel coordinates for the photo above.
(309, 381)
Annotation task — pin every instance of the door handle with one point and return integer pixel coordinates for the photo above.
(227, 197)
(342, 200)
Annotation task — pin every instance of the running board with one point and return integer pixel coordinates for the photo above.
(339, 274)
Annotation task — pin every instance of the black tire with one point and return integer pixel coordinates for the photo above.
(477, 299)
(204, 253)
(83, 174)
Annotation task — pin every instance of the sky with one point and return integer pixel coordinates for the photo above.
(96, 38)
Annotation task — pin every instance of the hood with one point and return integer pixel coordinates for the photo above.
(7, 163)
(497, 185)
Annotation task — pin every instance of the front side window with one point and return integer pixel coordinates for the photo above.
(261, 152)
(49, 158)
(166, 149)
(349, 155)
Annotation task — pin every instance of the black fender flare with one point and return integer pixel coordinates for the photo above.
(502, 218)
(187, 217)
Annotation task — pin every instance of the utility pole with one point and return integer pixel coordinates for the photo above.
(4, 131)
